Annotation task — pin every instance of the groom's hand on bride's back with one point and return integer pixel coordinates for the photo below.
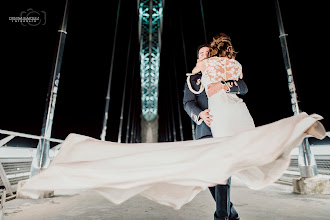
(213, 88)
(207, 118)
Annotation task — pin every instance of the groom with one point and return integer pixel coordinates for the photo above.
(196, 105)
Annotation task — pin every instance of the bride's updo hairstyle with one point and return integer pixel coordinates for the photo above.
(221, 46)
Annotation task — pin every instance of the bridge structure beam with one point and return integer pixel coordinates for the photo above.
(150, 29)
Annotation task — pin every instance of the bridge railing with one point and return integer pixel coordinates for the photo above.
(15, 162)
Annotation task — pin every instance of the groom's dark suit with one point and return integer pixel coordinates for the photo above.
(194, 104)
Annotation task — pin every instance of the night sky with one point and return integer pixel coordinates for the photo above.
(29, 53)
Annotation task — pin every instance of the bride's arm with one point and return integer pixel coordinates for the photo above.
(198, 68)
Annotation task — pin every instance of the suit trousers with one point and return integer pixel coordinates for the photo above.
(221, 194)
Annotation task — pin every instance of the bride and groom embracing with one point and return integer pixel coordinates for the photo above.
(195, 102)
(173, 173)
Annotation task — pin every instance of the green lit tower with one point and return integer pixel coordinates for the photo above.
(150, 29)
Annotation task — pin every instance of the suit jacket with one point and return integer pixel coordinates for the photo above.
(194, 104)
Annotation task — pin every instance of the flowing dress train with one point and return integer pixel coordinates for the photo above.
(171, 173)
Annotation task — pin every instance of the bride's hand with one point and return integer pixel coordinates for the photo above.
(197, 68)
(198, 61)
(213, 88)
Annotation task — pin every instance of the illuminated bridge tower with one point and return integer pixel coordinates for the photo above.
(150, 28)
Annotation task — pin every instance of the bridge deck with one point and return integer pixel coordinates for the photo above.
(274, 202)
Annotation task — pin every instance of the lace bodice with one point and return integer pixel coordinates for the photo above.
(222, 68)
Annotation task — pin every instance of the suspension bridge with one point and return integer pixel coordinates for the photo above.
(153, 45)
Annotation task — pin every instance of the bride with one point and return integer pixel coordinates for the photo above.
(173, 173)
(230, 114)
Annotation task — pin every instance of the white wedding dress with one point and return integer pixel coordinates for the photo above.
(230, 114)
(173, 173)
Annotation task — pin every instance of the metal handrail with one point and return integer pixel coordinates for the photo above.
(18, 134)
